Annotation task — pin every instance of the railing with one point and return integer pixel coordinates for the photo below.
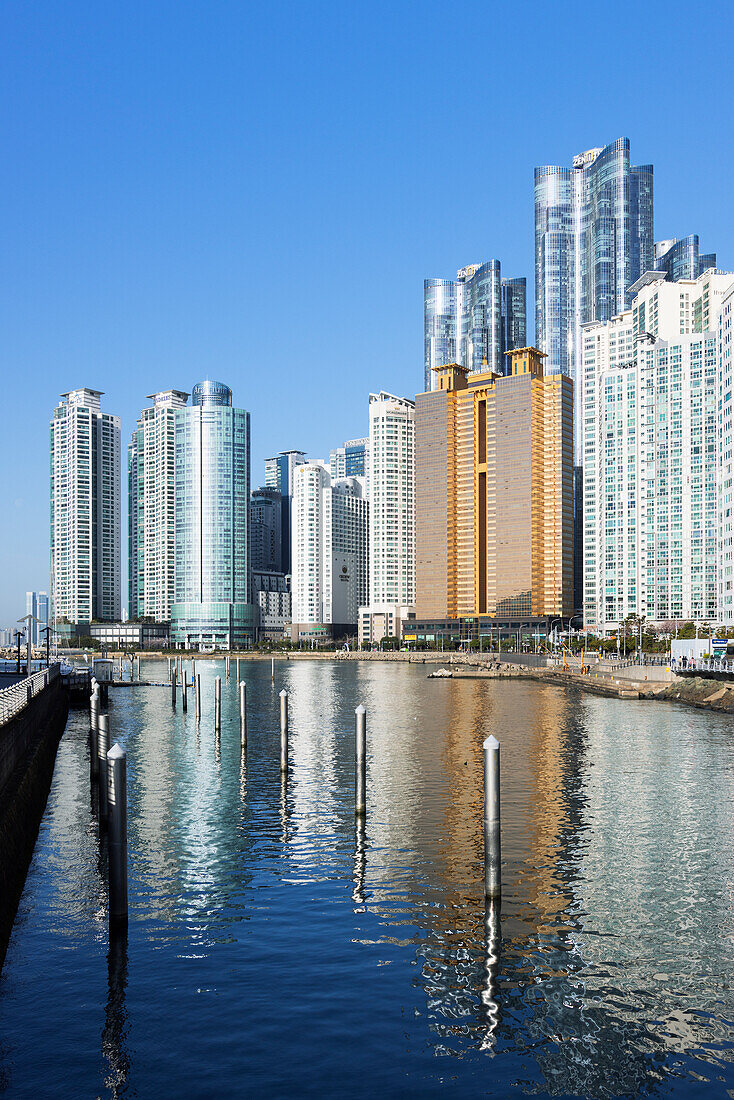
(14, 698)
(704, 664)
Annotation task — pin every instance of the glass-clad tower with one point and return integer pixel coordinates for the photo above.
(212, 455)
(279, 472)
(514, 314)
(681, 259)
(593, 239)
(468, 320)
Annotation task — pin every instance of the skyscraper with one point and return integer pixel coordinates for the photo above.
(330, 539)
(152, 508)
(265, 530)
(212, 457)
(494, 495)
(681, 259)
(593, 239)
(392, 517)
(85, 509)
(37, 604)
(279, 475)
(470, 319)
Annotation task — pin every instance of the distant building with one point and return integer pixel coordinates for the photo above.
(351, 460)
(494, 496)
(271, 594)
(330, 540)
(469, 320)
(85, 509)
(212, 607)
(152, 508)
(593, 240)
(279, 473)
(38, 605)
(680, 259)
(266, 530)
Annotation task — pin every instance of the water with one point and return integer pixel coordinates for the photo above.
(276, 949)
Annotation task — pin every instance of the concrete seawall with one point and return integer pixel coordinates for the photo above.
(28, 744)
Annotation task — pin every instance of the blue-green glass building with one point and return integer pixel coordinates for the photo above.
(594, 238)
(212, 454)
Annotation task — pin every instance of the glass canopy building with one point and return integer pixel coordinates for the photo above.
(212, 455)
(472, 320)
(593, 239)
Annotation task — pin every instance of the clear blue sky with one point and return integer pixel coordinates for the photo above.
(255, 193)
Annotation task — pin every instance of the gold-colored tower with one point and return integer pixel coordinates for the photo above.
(494, 493)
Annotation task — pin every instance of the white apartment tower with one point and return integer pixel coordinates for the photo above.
(152, 508)
(330, 527)
(392, 516)
(725, 578)
(650, 435)
(85, 509)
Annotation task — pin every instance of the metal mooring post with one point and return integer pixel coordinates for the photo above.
(117, 839)
(198, 697)
(284, 730)
(492, 846)
(103, 741)
(218, 703)
(360, 762)
(243, 714)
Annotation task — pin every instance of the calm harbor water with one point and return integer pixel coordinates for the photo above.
(276, 949)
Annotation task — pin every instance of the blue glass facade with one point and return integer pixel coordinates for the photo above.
(212, 456)
(514, 314)
(593, 238)
(355, 458)
(681, 259)
(469, 320)
(279, 475)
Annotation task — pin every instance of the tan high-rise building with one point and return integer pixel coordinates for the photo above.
(494, 493)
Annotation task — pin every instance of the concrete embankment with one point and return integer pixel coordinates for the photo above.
(691, 690)
(28, 744)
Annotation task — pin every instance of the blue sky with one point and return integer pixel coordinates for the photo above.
(254, 193)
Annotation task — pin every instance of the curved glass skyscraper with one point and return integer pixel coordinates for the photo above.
(470, 320)
(212, 454)
(593, 240)
(680, 259)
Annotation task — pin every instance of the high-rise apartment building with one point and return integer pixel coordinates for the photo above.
(279, 472)
(212, 606)
(330, 539)
(593, 239)
(651, 441)
(469, 320)
(494, 495)
(681, 259)
(265, 530)
(392, 517)
(725, 461)
(85, 509)
(151, 472)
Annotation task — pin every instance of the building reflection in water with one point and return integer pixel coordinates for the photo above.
(591, 948)
(114, 1035)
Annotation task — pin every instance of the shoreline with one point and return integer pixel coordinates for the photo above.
(704, 694)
